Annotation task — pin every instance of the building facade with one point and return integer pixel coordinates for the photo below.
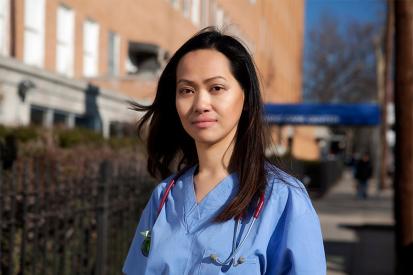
(66, 54)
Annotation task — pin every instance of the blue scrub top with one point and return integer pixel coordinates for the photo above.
(286, 238)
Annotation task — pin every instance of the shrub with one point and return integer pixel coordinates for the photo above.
(22, 134)
(124, 142)
(26, 133)
(3, 131)
(68, 138)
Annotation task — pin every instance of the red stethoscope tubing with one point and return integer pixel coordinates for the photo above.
(165, 195)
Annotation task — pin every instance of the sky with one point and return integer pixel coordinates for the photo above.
(344, 10)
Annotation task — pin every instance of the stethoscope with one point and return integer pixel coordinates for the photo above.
(145, 247)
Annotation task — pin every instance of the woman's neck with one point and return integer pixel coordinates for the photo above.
(214, 159)
(213, 167)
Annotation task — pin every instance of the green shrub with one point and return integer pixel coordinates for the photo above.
(26, 133)
(68, 138)
(123, 142)
(3, 131)
(35, 137)
(22, 134)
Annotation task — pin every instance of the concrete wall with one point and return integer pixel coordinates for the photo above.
(54, 93)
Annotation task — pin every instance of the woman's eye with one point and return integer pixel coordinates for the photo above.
(185, 91)
(217, 88)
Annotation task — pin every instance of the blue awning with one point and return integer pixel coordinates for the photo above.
(323, 114)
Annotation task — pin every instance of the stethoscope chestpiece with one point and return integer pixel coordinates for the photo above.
(213, 257)
(241, 260)
(146, 244)
(216, 260)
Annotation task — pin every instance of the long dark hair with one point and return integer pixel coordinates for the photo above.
(170, 148)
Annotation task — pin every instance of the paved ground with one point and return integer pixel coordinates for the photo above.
(358, 234)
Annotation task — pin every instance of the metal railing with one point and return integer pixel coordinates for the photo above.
(76, 220)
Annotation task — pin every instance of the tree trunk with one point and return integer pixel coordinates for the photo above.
(404, 136)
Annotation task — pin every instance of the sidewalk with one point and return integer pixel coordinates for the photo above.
(358, 234)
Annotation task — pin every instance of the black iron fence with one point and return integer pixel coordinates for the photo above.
(319, 176)
(78, 219)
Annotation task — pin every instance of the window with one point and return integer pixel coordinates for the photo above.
(65, 41)
(204, 13)
(175, 3)
(90, 48)
(113, 53)
(60, 118)
(37, 116)
(115, 129)
(196, 12)
(34, 22)
(186, 7)
(4, 27)
(83, 122)
(219, 17)
(144, 58)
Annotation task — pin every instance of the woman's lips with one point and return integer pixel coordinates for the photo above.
(204, 123)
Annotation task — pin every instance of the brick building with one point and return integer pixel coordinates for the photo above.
(77, 61)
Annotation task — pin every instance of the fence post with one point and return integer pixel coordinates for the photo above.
(1, 204)
(105, 174)
(24, 192)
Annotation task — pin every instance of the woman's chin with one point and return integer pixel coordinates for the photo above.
(205, 141)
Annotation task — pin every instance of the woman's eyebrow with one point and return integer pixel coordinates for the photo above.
(213, 78)
(182, 80)
(185, 81)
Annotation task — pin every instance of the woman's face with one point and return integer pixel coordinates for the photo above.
(209, 100)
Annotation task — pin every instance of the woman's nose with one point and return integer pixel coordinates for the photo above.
(202, 102)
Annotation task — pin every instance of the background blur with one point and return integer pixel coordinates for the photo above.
(73, 180)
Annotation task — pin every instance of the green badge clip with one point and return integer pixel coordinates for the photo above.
(146, 244)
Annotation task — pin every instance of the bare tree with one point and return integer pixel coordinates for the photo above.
(340, 62)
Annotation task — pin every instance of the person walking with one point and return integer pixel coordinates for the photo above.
(362, 174)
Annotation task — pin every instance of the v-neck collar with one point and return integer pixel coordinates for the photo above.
(213, 202)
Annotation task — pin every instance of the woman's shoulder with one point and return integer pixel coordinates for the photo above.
(160, 188)
(286, 190)
(164, 182)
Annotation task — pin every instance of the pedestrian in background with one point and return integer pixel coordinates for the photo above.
(228, 209)
(363, 174)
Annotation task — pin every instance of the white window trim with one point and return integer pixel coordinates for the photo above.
(196, 12)
(175, 4)
(32, 55)
(65, 44)
(5, 27)
(205, 9)
(93, 52)
(219, 17)
(115, 52)
(186, 8)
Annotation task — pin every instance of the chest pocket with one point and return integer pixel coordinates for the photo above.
(209, 267)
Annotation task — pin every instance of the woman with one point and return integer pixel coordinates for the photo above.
(228, 210)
